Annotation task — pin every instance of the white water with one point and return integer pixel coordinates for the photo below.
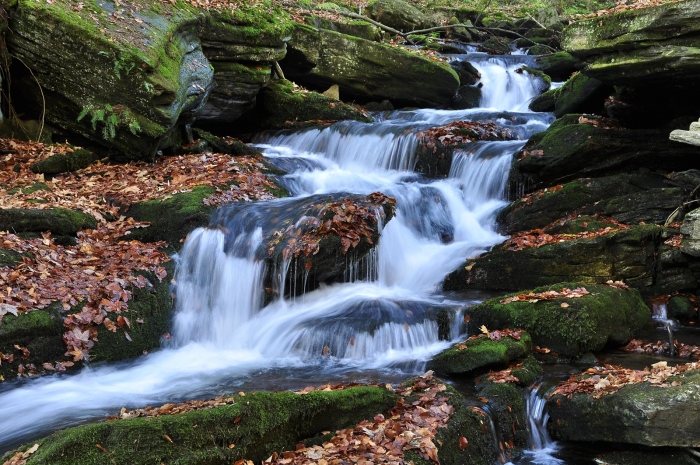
(542, 447)
(223, 339)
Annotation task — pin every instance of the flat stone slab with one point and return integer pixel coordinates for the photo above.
(686, 137)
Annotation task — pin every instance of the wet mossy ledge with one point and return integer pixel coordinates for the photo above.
(570, 327)
(252, 428)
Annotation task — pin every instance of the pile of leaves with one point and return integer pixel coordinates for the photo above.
(599, 122)
(410, 426)
(600, 381)
(639, 346)
(350, 220)
(538, 237)
(625, 5)
(21, 458)
(102, 188)
(674, 241)
(174, 409)
(495, 335)
(461, 132)
(505, 376)
(532, 297)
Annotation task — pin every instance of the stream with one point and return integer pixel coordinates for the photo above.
(225, 340)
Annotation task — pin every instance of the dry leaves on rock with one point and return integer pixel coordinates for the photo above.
(640, 346)
(173, 409)
(463, 131)
(674, 241)
(538, 237)
(600, 381)
(599, 122)
(21, 458)
(564, 293)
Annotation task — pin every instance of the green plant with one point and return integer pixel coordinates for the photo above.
(111, 117)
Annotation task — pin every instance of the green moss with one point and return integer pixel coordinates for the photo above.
(528, 373)
(606, 315)
(172, 219)
(64, 162)
(507, 405)
(480, 353)
(10, 258)
(60, 221)
(257, 424)
(36, 187)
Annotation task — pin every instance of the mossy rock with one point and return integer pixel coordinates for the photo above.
(219, 145)
(258, 425)
(581, 94)
(465, 421)
(466, 97)
(496, 45)
(629, 198)
(546, 101)
(560, 65)
(60, 221)
(172, 219)
(638, 413)
(397, 14)
(149, 314)
(507, 405)
(571, 150)
(681, 308)
(605, 316)
(366, 71)
(40, 331)
(480, 353)
(627, 255)
(63, 162)
(286, 108)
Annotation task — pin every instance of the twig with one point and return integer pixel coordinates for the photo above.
(536, 22)
(278, 70)
(43, 99)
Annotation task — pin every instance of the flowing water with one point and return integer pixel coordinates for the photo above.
(376, 325)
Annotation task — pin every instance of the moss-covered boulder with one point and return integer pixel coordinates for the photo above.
(559, 66)
(628, 198)
(228, 146)
(480, 352)
(287, 106)
(640, 413)
(577, 146)
(172, 219)
(580, 94)
(691, 233)
(130, 76)
(397, 14)
(639, 46)
(60, 221)
(39, 332)
(63, 162)
(569, 326)
(366, 70)
(506, 403)
(252, 428)
(356, 28)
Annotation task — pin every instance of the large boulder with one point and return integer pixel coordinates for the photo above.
(366, 70)
(654, 45)
(565, 319)
(577, 146)
(397, 14)
(578, 95)
(628, 255)
(656, 412)
(130, 78)
(60, 221)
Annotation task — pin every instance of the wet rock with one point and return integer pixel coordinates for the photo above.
(660, 45)
(573, 147)
(496, 45)
(578, 95)
(60, 221)
(227, 146)
(637, 414)
(483, 352)
(287, 106)
(466, 97)
(626, 255)
(366, 70)
(468, 74)
(605, 316)
(681, 308)
(655, 456)
(257, 425)
(506, 404)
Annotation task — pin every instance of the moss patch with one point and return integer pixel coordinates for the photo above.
(60, 221)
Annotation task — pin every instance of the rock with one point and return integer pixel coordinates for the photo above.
(131, 83)
(355, 28)
(691, 233)
(663, 456)
(496, 45)
(660, 45)
(605, 316)
(636, 414)
(474, 354)
(691, 137)
(320, 236)
(397, 14)
(681, 308)
(628, 198)
(63, 162)
(560, 65)
(623, 255)
(287, 106)
(467, 73)
(578, 95)
(507, 406)
(227, 146)
(60, 221)
(257, 425)
(366, 70)
(573, 147)
(466, 97)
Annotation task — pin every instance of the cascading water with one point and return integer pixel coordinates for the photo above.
(378, 324)
(541, 445)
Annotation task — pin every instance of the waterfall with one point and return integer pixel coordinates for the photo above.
(541, 445)
(379, 324)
